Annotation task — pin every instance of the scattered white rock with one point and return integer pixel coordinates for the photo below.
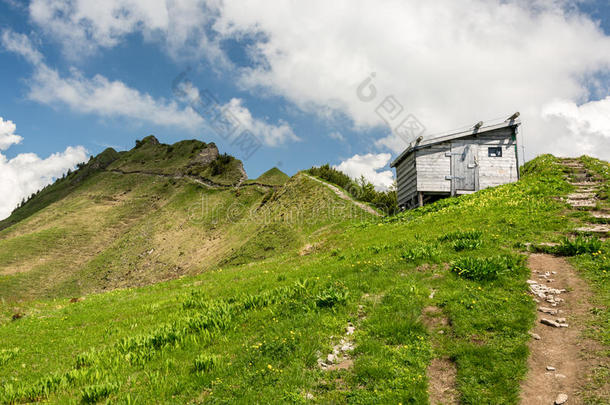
(549, 322)
(346, 346)
(550, 368)
(561, 399)
(535, 336)
(559, 375)
(547, 310)
(309, 395)
(340, 351)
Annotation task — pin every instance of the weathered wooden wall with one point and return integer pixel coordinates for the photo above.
(406, 177)
(432, 167)
(494, 171)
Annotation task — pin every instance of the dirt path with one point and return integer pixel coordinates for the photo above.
(441, 372)
(344, 196)
(442, 375)
(561, 357)
(585, 197)
(563, 349)
(196, 179)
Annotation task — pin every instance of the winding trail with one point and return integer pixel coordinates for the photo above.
(561, 355)
(200, 180)
(563, 349)
(211, 184)
(344, 196)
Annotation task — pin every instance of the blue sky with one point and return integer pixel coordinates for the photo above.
(78, 76)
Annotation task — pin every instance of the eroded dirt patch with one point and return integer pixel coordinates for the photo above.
(442, 374)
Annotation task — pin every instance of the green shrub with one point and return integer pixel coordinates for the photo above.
(221, 164)
(484, 269)
(85, 359)
(7, 354)
(361, 189)
(331, 296)
(461, 235)
(94, 393)
(466, 244)
(578, 246)
(422, 252)
(205, 362)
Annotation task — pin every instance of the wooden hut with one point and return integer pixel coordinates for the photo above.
(458, 163)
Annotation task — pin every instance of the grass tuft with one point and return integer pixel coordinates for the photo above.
(205, 362)
(578, 246)
(94, 393)
(484, 269)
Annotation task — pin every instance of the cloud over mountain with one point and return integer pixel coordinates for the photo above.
(27, 173)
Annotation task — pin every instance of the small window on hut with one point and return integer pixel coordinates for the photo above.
(495, 151)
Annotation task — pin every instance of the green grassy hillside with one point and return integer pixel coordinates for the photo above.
(270, 280)
(273, 176)
(145, 216)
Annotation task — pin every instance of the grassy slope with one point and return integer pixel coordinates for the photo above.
(264, 325)
(98, 230)
(273, 177)
(127, 230)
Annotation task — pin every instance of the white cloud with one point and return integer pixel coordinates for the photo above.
(97, 95)
(84, 26)
(21, 44)
(336, 135)
(589, 123)
(271, 135)
(101, 96)
(27, 173)
(593, 116)
(368, 166)
(8, 136)
(450, 63)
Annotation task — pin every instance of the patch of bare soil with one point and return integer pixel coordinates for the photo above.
(560, 356)
(441, 382)
(441, 372)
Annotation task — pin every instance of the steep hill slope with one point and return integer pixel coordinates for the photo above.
(154, 213)
(428, 304)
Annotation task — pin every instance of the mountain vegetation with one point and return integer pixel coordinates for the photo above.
(361, 189)
(163, 275)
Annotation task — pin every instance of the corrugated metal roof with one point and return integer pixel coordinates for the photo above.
(454, 135)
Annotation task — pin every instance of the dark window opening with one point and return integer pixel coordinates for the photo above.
(495, 151)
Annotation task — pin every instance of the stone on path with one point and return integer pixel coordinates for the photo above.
(561, 399)
(535, 335)
(547, 310)
(550, 368)
(549, 322)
